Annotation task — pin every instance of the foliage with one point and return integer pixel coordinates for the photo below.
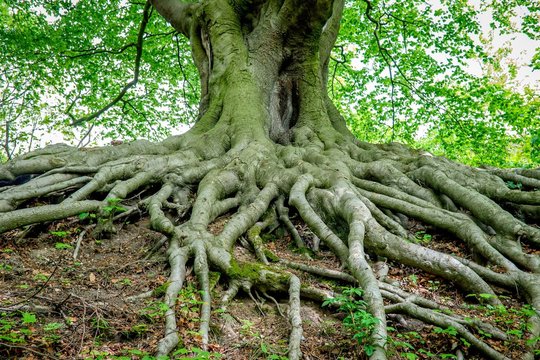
(422, 237)
(58, 63)
(113, 207)
(197, 354)
(154, 310)
(357, 318)
(20, 328)
(400, 72)
(60, 234)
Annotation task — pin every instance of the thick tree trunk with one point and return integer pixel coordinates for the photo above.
(268, 137)
(263, 66)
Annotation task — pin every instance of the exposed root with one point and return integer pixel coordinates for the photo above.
(201, 269)
(283, 212)
(356, 198)
(275, 303)
(429, 316)
(178, 257)
(295, 318)
(255, 239)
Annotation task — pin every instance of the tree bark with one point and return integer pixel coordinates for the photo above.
(268, 135)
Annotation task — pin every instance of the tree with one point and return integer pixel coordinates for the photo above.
(268, 140)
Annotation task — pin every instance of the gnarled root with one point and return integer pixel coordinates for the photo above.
(356, 198)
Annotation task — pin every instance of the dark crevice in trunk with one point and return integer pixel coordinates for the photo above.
(284, 105)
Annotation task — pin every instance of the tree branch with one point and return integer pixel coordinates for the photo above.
(307, 14)
(95, 51)
(389, 60)
(177, 13)
(329, 36)
(136, 71)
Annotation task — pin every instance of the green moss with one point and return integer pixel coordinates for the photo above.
(271, 256)
(273, 279)
(213, 279)
(245, 270)
(254, 232)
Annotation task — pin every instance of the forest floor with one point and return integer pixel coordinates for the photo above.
(57, 307)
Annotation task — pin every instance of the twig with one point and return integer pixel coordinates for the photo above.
(26, 348)
(78, 245)
(35, 293)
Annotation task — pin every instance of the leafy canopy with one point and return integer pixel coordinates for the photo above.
(401, 71)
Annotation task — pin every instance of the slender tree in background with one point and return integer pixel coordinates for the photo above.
(267, 141)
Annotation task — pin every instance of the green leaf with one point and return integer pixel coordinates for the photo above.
(409, 356)
(62, 246)
(52, 326)
(28, 318)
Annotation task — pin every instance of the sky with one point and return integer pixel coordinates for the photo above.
(523, 50)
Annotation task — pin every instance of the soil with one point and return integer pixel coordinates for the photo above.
(107, 303)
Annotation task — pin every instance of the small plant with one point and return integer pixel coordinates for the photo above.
(409, 356)
(161, 290)
(60, 234)
(449, 330)
(429, 354)
(62, 246)
(271, 352)
(154, 310)
(189, 299)
(100, 325)
(434, 285)
(113, 207)
(51, 329)
(5, 267)
(28, 318)
(399, 343)
(261, 349)
(514, 186)
(422, 237)
(126, 282)
(15, 331)
(483, 333)
(247, 329)
(358, 320)
(87, 215)
(532, 342)
(6, 326)
(195, 353)
(135, 331)
(414, 279)
(276, 357)
(448, 356)
(40, 277)
(52, 326)
(515, 332)
(482, 298)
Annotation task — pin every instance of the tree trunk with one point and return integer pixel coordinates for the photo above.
(263, 67)
(269, 138)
